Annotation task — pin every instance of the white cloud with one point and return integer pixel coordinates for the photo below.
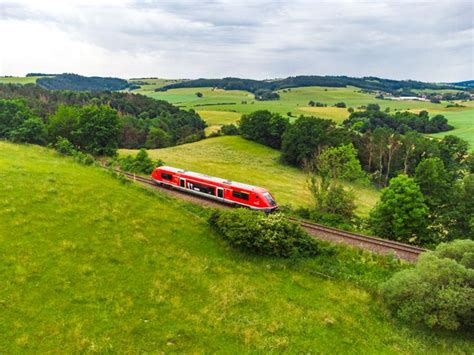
(424, 40)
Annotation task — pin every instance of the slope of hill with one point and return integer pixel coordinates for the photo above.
(91, 264)
(81, 83)
(238, 159)
(467, 83)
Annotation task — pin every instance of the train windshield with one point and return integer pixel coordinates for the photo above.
(269, 199)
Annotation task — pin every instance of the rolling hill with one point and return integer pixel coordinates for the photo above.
(92, 264)
(228, 105)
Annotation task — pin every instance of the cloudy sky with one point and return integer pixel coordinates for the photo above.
(424, 40)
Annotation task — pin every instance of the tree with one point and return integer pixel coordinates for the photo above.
(98, 130)
(199, 94)
(32, 130)
(339, 163)
(157, 138)
(264, 127)
(373, 107)
(340, 105)
(12, 114)
(454, 152)
(460, 212)
(308, 136)
(330, 197)
(434, 182)
(401, 214)
(64, 123)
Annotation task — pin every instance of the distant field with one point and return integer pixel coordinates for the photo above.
(19, 80)
(216, 119)
(152, 84)
(241, 160)
(463, 121)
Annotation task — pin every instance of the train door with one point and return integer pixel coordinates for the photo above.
(182, 182)
(220, 192)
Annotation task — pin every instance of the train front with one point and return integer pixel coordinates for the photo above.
(269, 200)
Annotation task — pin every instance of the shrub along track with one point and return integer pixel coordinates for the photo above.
(377, 245)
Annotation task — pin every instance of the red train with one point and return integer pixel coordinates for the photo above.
(231, 192)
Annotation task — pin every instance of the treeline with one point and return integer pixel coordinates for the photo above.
(40, 74)
(82, 83)
(401, 122)
(467, 83)
(368, 83)
(112, 120)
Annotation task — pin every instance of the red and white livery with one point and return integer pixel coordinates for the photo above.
(231, 192)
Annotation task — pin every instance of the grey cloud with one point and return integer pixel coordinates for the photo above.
(428, 40)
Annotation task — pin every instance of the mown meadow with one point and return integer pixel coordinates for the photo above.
(235, 158)
(91, 264)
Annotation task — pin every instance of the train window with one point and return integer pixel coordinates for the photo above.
(166, 176)
(202, 188)
(241, 195)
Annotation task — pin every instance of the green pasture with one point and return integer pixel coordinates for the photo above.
(92, 265)
(152, 84)
(19, 80)
(235, 158)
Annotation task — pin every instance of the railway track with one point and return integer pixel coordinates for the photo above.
(377, 245)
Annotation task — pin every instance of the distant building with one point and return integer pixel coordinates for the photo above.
(403, 98)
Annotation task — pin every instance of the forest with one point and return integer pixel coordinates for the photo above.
(82, 83)
(32, 114)
(367, 83)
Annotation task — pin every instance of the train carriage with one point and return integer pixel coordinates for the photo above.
(230, 192)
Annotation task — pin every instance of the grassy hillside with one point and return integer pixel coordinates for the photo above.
(90, 264)
(238, 159)
(19, 80)
(152, 83)
(463, 121)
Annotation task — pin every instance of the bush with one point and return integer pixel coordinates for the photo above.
(271, 235)
(439, 290)
(64, 147)
(141, 163)
(329, 219)
(229, 130)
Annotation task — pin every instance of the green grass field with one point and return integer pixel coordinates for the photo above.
(19, 80)
(89, 264)
(241, 160)
(463, 121)
(153, 84)
(230, 104)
